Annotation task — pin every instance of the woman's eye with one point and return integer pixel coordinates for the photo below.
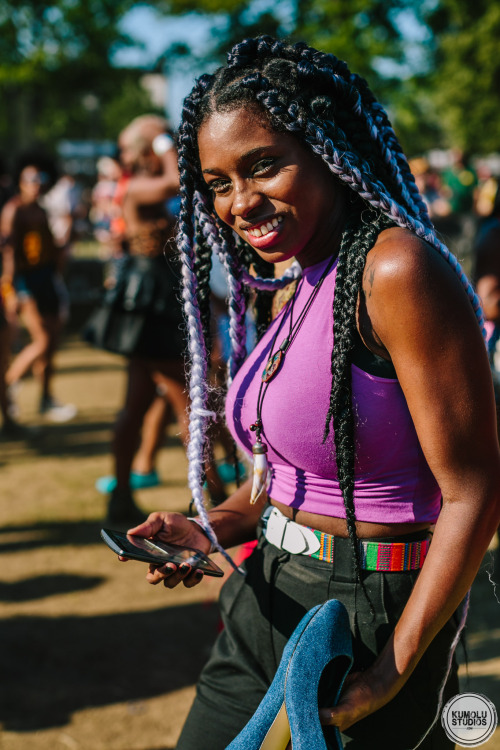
(219, 186)
(263, 166)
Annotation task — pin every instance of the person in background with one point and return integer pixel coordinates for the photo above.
(10, 428)
(32, 263)
(370, 394)
(486, 272)
(487, 279)
(156, 368)
(486, 191)
(7, 187)
(459, 191)
(104, 209)
(460, 183)
(60, 203)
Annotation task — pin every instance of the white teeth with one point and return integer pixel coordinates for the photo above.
(265, 228)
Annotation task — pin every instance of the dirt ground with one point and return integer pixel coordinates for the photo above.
(91, 657)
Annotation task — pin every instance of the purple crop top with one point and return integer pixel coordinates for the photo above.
(393, 482)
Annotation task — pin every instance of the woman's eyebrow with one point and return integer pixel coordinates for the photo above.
(244, 157)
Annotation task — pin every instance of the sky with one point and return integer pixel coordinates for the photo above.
(156, 32)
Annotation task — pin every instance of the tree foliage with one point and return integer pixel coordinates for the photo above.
(56, 76)
(465, 82)
(434, 64)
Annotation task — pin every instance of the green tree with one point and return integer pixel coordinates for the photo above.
(56, 75)
(465, 83)
(441, 85)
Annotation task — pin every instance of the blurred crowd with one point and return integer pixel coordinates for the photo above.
(126, 218)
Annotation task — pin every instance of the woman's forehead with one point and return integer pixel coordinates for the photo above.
(237, 131)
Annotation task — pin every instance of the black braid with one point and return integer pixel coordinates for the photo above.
(202, 268)
(358, 238)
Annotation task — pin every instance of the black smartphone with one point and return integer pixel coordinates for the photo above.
(157, 552)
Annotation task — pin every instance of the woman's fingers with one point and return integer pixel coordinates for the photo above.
(193, 579)
(357, 700)
(151, 526)
(171, 575)
(159, 573)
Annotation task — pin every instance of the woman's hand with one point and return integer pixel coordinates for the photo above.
(176, 529)
(360, 697)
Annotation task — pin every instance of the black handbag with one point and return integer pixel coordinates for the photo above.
(144, 287)
(114, 330)
(117, 325)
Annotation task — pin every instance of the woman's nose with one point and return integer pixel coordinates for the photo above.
(245, 199)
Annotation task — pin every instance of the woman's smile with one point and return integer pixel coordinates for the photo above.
(272, 191)
(265, 233)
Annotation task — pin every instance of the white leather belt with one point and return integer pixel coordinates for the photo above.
(288, 535)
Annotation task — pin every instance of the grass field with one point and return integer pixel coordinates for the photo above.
(91, 657)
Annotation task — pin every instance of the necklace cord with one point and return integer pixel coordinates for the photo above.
(274, 361)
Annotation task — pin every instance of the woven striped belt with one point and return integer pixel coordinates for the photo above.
(302, 540)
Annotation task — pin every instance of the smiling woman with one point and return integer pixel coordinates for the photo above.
(369, 395)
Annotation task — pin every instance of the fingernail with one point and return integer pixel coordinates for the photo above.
(185, 567)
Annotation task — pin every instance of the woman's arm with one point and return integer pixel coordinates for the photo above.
(8, 259)
(147, 189)
(420, 315)
(6, 226)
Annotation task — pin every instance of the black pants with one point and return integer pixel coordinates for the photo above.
(260, 613)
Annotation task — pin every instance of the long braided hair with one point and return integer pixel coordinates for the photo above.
(313, 96)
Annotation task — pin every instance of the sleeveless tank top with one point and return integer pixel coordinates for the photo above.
(32, 239)
(393, 482)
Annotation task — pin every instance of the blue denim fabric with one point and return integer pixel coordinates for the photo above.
(322, 635)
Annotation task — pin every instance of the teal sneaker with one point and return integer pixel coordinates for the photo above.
(227, 472)
(144, 481)
(105, 485)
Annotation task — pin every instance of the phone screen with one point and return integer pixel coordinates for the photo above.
(157, 552)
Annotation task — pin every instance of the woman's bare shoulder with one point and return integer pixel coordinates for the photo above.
(403, 275)
(396, 256)
(400, 263)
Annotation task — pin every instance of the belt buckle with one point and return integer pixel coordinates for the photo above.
(290, 536)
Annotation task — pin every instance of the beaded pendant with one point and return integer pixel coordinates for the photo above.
(272, 366)
(274, 362)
